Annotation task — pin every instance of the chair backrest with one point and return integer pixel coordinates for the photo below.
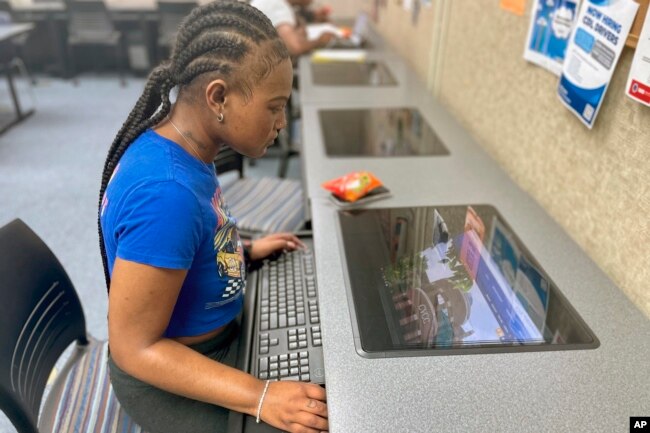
(170, 15)
(40, 316)
(228, 160)
(6, 12)
(88, 18)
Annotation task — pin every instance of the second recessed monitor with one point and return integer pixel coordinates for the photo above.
(379, 132)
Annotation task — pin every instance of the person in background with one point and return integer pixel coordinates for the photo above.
(309, 13)
(290, 29)
(173, 260)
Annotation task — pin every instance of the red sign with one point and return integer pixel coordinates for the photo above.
(639, 91)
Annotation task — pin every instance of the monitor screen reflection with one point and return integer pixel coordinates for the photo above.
(351, 73)
(379, 132)
(452, 278)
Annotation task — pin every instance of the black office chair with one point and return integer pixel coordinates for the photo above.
(170, 15)
(40, 316)
(90, 25)
(260, 205)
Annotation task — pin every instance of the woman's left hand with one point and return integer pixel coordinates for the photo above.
(277, 242)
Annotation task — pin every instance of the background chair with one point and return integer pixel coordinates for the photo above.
(40, 316)
(170, 15)
(18, 43)
(90, 25)
(260, 205)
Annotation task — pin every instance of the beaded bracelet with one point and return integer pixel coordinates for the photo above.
(259, 405)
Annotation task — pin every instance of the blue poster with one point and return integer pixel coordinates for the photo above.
(594, 48)
(551, 22)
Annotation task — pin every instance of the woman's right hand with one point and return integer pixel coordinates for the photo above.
(295, 407)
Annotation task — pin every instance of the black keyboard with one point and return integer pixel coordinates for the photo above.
(287, 339)
(281, 337)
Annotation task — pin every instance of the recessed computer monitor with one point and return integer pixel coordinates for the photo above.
(442, 280)
(351, 73)
(400, 131)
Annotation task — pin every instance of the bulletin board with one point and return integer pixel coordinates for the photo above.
(633, 37)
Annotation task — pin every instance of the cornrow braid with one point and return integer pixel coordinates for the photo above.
(229, 49)
(202, 66)
(199, 16)
(224, 22)
(215, 38)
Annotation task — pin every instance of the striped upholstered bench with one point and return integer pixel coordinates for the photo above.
(266, 205)
(260, 205)
(83, 401)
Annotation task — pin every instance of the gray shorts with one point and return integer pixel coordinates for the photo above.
(158, 411)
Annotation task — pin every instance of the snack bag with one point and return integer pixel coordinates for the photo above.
(352, 186)
(346, 32)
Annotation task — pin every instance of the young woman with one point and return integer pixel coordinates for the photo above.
(173, 260)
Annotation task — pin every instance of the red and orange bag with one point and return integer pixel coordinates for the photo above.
(352, 186)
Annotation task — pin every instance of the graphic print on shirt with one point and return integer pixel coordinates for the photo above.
(229, 249)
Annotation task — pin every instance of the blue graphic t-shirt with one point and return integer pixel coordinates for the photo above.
(164, 208)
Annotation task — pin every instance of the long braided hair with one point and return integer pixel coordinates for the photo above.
(213, 41)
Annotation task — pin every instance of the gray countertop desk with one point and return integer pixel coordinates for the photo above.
(574, 390)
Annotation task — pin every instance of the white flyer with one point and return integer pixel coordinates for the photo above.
(638, 83)
(594, 49)
(551, 22)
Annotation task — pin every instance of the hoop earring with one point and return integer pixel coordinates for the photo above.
(220, 117)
